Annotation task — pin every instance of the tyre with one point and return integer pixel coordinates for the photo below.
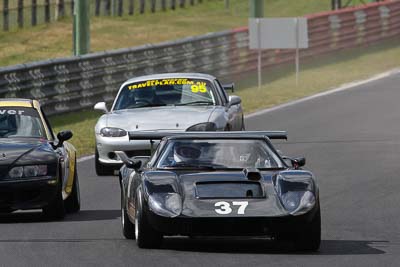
(73, 202)
(310, 238)
(146, 236)
(101, 170)
(55, 210)
(128, 228)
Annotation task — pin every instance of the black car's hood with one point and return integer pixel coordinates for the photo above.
(202, 190)
(24, 151)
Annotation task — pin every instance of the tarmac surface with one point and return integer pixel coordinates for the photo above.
(351, 140)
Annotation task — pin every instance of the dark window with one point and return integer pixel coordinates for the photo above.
(20, 122)
(166, 92)
(223, 92)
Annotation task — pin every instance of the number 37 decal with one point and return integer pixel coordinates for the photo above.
(224, 208)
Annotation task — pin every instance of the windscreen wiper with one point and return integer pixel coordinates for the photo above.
(194, 103)
(149, 105)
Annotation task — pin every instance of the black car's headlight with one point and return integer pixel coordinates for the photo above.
(28, 171)
(202, 127)
(296, 193)
(165, 204)
(112, 132)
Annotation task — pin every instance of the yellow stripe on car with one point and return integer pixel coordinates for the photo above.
(25, 104)
(36, 105)
(72, 159)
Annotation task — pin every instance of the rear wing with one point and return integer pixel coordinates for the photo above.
(158, 135)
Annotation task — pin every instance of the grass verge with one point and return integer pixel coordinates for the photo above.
(318, 74)
(55, 40)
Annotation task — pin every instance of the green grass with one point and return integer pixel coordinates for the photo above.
(317, 74)
(55, 40)
(82, 125)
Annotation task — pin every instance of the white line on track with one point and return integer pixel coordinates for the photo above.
(332, 91)
(85, 158)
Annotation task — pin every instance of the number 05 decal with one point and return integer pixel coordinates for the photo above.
(224, 208)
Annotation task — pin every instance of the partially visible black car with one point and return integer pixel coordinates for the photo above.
(218, 184)
(37, 169)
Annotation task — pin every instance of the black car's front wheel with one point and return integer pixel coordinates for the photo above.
(128, 228)
(146, 235)
(55, 209)
(305, 238)
(309, 239)
(73, 202)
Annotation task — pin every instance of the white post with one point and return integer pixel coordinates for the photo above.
(56, 10)
(259, 52)
(227, 4)
(113, 8)
(297, 51)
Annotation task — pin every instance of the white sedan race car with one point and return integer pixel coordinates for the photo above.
(162, 102)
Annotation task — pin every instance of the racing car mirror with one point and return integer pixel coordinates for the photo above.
(295, 162)
(135, 163)
(234, 100)
(141, 161)
(63, 136)
(300, 162)
(101, 106)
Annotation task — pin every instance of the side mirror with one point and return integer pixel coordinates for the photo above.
(296, 162)
(229, 87)
(63, 136)
(234, 100)
(135, 163)
(142, 159)
(101, 106)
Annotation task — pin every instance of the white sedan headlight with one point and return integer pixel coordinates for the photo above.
(112, 132)
(202, 127)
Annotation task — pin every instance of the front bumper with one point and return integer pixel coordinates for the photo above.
(106, 146)
(27, 194)
(229, 226)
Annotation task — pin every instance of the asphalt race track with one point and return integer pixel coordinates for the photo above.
(352, 143)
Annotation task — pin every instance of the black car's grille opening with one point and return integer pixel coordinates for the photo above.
(3, 172)
(6, 197)
(227, 227)
(19, 196)
(228, 189)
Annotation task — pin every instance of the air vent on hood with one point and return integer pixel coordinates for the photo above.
(229, 189)
(252, 174)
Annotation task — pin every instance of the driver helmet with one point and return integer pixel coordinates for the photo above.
(186, 152)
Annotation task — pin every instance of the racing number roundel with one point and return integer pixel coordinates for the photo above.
(223, 207)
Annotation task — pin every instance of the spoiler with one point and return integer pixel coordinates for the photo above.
(158, 135)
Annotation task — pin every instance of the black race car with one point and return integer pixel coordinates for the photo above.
(37, 170)
(218, 184)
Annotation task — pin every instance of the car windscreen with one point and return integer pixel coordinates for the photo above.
(166, 92)
(219, 153)
(20, 122)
